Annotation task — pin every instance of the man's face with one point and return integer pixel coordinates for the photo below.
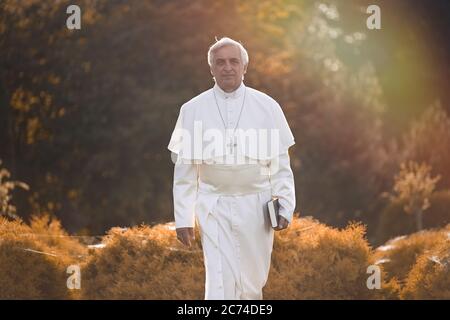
(228, 68)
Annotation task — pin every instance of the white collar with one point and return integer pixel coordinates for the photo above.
(234, 94)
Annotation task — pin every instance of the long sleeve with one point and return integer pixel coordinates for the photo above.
(185, 184)
(283, 186)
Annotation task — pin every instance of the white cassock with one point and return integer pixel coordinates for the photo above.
(226, 184)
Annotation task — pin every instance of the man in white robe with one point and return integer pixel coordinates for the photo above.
(225, 185)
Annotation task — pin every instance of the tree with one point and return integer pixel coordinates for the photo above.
(414, 185)
(428, 140)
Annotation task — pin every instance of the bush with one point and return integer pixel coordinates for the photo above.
(310, 261)
(31, 265)
(320, 263)
(144, 263)
(430, 276)
(49, 232)
(402, 255)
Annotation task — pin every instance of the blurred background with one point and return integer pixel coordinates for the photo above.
(86, 115)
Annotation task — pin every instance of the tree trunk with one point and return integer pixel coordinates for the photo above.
(419, 219)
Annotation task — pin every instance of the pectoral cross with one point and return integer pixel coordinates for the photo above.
(232, 144)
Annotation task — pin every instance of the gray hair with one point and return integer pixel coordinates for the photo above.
(226, 42)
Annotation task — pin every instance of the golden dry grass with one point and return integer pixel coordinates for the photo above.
(430, 276)
(419, 263)
(144, 263)
(32, 265)
(313, 261)
(310, 261)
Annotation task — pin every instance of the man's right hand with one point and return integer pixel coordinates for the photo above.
(186, 236)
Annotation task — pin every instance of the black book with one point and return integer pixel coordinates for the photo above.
(273, 207)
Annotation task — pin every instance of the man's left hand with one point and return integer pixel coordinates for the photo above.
(283, 223)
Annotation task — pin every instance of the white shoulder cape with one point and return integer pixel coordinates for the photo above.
(262, 133)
